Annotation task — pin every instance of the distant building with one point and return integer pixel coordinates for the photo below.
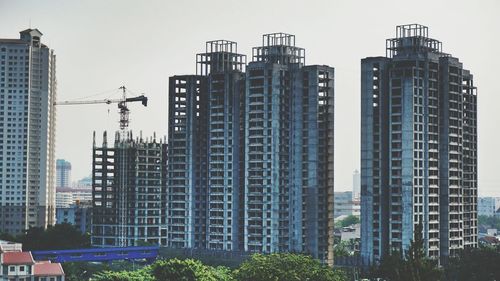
(356, 185)
(85, 182)
(418, 148)
(488, 206)
(63, 173)
(69, 196)
(345, 204)
(78, 215)
(27, 140)
(129, 192)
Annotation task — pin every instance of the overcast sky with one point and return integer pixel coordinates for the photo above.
(101, 45)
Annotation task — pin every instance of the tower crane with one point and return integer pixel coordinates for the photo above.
(122, 105)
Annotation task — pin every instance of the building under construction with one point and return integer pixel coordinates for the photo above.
(251, 151)
(419, 149)
(129, 191)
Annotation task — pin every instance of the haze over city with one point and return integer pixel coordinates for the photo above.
(101, 45)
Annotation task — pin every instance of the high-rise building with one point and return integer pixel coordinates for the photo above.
(419, 148)
(288, 192)
(27, 131)
(63, 173)
(187, 164)
(251, 154)
(488, 206)
(356, 184)
(129, 192)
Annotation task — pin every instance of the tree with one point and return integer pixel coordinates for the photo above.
(286, 267)
(138, 275)
(475, 264)
(57, 237)
(418, 265)
(341, 249)
(348, 221)
(188, 270)
(414, 266)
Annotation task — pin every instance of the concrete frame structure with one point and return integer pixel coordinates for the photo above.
(129, 192)
(288, 201)
(224, 71)
(187, 165)
(27, 133)
(251, 154)
(419, 148)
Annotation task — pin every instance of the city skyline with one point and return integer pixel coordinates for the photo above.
(156, 49)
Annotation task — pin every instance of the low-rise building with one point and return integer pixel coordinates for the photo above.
(20, 266)
(78, 214)
(68, 196)
(346, 204)
(488, 206)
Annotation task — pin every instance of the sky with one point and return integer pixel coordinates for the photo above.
(101, 45)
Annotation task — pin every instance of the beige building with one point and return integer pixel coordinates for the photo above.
(27, 132)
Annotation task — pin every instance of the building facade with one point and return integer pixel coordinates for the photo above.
(27, 131)
(129, 192)
(78, 215)
(251, 151)
(345, 204)
(68, 196)
(356, 185)
(488, 206)
(63, 173)
(419, 148)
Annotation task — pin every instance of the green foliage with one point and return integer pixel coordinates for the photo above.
(481, 264)
(57, 237)
(348, 221)
(188, 270)
(76, 271)
(341, 249)
(7, 237)
(415, 266)
(489, 222)
(285, 267)
(138, 275)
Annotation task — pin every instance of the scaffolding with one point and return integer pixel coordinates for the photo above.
(220, 56)
(279, 48)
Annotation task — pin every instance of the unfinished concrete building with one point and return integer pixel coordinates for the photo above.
(129, 192)
(187, 165)
(223, 67)
(289, 111)
(419, 148)
(251, 154)
(205, 138)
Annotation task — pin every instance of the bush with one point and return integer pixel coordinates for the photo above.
(286, 267)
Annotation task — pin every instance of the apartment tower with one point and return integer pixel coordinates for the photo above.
(418, 148)
(288, 200)
(63, 173)
(251, 151)
(27, 133)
